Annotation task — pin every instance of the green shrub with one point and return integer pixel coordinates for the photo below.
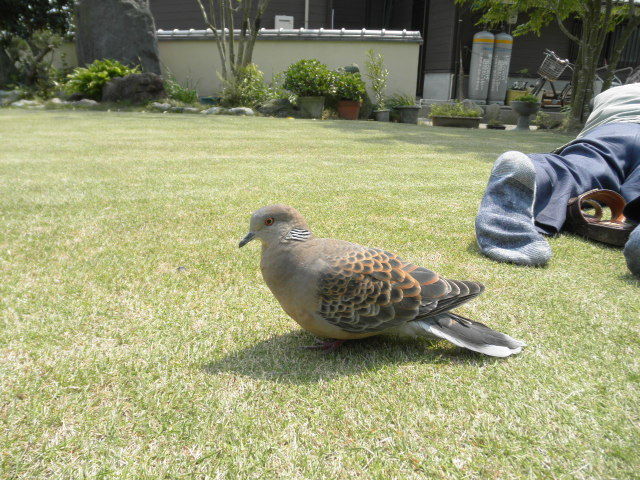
(348, 86)
(378, 74)
(182, 93)
(308, 78)
(545, 121)
(528, 98)
(400, 100)
(32, 62)
(457, 109)
(248, 89)
(89, 81)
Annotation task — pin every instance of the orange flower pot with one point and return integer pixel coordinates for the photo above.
(348, 109)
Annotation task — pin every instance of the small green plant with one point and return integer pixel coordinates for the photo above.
(186, 93)
(545, 121)
(400, 100)
(247, 89)
(378, 74)
(308, 78)
(528, 98)
(457, 109)
(89, 81)
(349, 86)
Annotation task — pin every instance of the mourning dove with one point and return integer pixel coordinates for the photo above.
(339, 290)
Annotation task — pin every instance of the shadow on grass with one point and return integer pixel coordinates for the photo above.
(455, 139)
(281, 359)
(630, 279)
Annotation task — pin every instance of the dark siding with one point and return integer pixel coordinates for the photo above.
(373, 14)
(350, 15)
(440, 37)
(528, 50)
(185, 14)
(400, 17)
(630, 54)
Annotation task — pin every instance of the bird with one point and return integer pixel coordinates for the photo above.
(340, 291)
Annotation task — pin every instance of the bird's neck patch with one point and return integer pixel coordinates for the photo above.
(298, 235)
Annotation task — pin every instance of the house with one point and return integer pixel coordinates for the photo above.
(446, 30)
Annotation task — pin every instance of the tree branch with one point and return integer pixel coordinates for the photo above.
(211, 22)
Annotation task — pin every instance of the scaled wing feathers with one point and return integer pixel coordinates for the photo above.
(370, 290)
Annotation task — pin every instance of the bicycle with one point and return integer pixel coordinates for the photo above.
(551, 68)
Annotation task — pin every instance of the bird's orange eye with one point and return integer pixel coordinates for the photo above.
(268, 221)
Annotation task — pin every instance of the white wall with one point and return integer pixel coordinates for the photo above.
(197, 60)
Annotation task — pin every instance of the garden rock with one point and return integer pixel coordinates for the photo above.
(492, 111)
(7, 97)
(136, 88)
(25, 103)
(470, 105)
(241, 111)
(121, 30)
(190, 110)
(160, 106)
(176, 109)
(57, 102)
(279, 107)
(85, 102)
(214, 111)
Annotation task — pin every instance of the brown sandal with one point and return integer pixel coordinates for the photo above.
(615, 231)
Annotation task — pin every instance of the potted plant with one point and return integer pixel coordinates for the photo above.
(349, 91)
(525, 106)
(404, 108)
(310, 80)
(455, 115)
(378, 74)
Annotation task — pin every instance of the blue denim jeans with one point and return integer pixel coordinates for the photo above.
(607, 157)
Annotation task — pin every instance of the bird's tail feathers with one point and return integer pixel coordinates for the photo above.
(470, 334)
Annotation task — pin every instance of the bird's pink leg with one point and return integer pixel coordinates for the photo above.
(325, 345)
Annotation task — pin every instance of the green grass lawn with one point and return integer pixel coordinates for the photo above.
(138, 342)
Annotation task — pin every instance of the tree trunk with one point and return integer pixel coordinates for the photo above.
(235, 51)
(596, 24)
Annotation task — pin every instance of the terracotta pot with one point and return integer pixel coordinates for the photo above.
(348, 109)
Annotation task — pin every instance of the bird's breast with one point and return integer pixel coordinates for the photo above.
(294, 284)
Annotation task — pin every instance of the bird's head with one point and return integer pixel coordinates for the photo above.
(270, 224)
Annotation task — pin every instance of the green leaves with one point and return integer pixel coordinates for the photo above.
(308, 78)
(90, 81)
(457, 109)
(349, 86)
(377, 73)
(247, 89)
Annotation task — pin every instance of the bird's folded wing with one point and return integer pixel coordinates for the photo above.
(369, 290)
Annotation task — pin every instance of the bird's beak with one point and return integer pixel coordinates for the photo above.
(246, 239)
